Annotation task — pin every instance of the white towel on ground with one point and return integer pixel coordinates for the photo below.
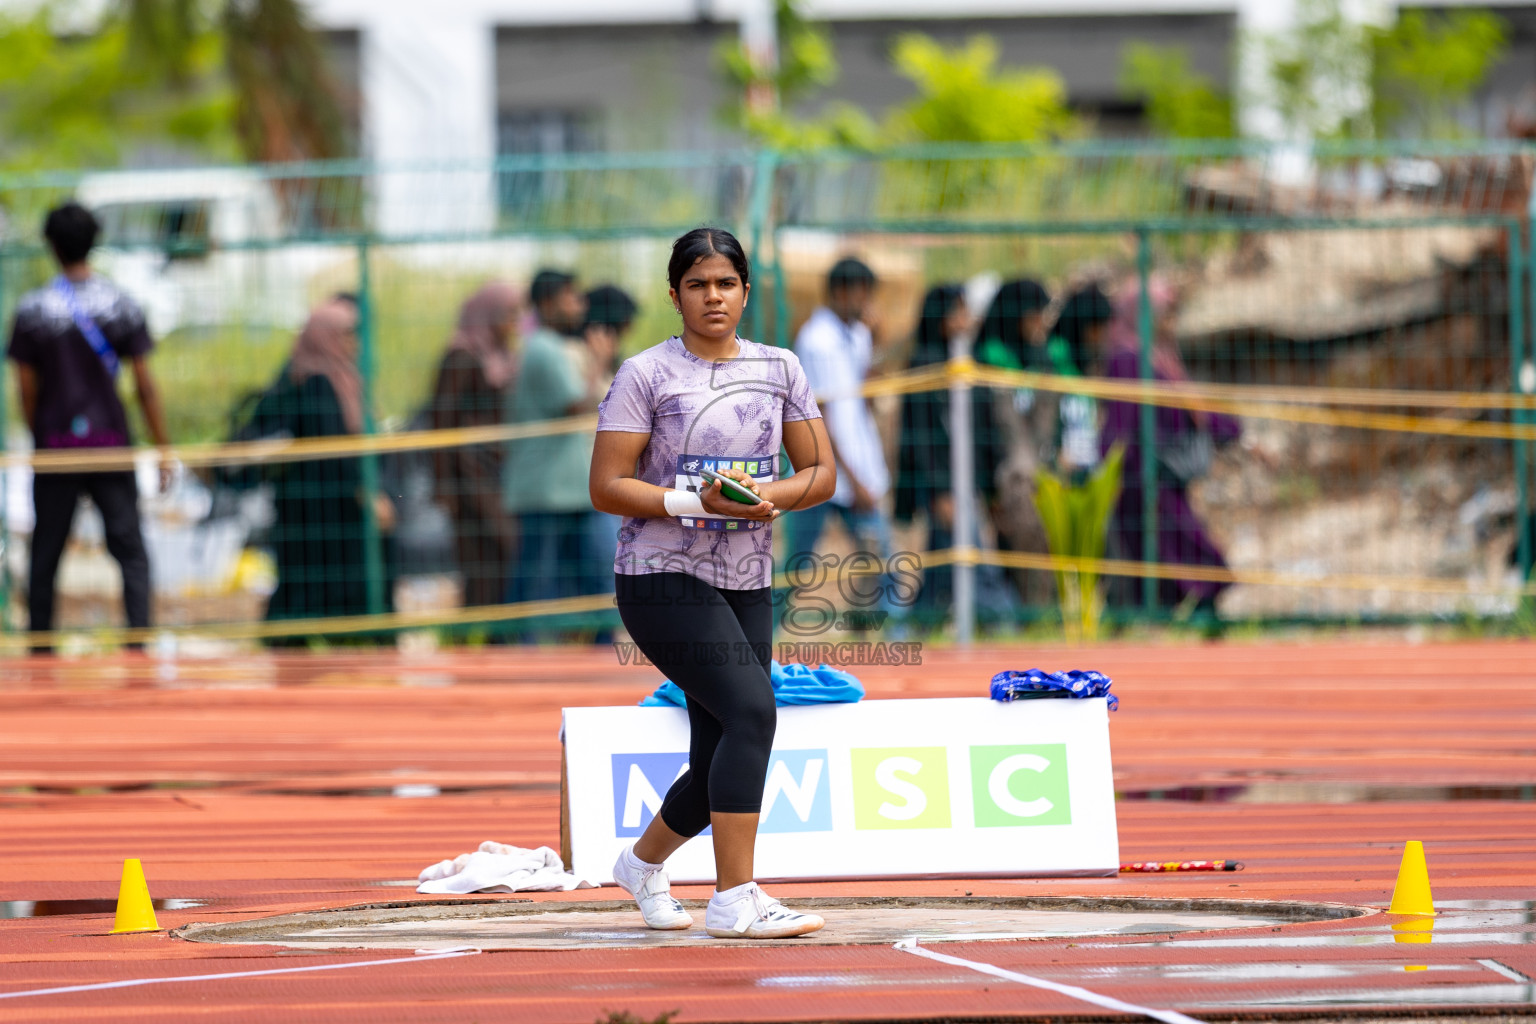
(496, 867)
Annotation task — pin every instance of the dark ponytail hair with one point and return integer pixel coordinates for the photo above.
(703, 242)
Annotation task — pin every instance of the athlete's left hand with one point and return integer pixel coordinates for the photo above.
(719, 504)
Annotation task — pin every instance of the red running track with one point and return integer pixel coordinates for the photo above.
(261, 783)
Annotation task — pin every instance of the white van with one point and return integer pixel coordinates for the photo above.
(194, 248)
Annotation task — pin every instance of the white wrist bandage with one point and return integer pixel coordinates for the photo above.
(683, 503)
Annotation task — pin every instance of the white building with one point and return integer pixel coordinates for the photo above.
(461, 80)
(465, 78)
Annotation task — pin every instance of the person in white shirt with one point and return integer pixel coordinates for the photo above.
(835, 347)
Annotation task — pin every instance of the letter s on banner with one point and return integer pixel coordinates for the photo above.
(916, 801)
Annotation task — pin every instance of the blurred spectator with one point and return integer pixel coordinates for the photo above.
(1013, 333)
(545, 483)
(69, 340)
(319, 505)
(1076, 347)
(923, 472)
(473, 382)
(835, 348)
(610, 315)
(1022, 425)
(1184, 443)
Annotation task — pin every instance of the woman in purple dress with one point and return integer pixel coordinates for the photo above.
(1181, 537)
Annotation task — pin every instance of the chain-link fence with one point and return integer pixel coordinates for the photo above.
(1293, 385)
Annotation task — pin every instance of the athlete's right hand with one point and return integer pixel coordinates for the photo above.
(719, 504)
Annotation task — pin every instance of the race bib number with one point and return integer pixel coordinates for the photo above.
(690, 469)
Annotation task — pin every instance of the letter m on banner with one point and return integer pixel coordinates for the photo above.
(639, 783)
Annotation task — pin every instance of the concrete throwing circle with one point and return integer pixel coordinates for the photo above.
(528, 924)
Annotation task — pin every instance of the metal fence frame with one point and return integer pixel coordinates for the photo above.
(761, 224)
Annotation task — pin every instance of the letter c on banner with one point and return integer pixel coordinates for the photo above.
(916, 799)
(997, 786)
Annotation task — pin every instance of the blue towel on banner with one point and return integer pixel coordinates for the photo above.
(792, 684)
(1013, 684)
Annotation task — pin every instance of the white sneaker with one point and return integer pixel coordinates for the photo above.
(650, 888)
(751, 913)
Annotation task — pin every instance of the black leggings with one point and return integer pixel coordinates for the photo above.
(54, 498)
(715, 645)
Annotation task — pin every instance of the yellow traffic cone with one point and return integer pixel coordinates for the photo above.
(135, 912)
(1411, 894)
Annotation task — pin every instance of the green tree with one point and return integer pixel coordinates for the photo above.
(1426, 65)
(1331, 77)
(217, 79)
(807, 62)
(1180, 102)
(286, 103)
(962, 96)
(1317, 73)
(806, 58)
(89, 98)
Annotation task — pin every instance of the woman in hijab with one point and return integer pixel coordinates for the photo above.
(1180, 436)
(317, 536)
(922, 479)
(473, 381)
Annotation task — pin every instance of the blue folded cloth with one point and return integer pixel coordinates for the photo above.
(792, 684)
(1013, 685)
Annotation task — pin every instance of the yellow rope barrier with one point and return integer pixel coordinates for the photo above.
(1189, 396)
(1313, 405)
(242, 453)
(1290, 404)
(1136, 391)
(1252, 577)
(491, 614)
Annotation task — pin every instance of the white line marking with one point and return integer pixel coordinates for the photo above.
(910, 945)
(443, 954)
(1508, 972)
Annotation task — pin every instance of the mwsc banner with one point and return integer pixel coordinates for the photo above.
(879, 789)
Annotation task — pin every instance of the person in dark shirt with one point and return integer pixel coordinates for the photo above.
(70, 339)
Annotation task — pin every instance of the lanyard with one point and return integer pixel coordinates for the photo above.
(87, 326)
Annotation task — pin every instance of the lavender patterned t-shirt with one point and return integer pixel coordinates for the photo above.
(704, 415)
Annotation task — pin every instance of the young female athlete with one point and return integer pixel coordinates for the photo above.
(694, 568)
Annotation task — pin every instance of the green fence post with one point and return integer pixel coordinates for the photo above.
(5, 449)
(780, 301)
(759, 212)
(1148, 419)
(367, 365)
(1517, 369)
